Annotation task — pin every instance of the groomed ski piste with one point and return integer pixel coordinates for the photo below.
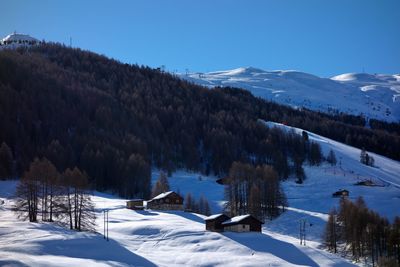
(154, 238)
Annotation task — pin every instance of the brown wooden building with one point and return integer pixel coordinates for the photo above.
(214, 222)
(166, 201)
(135, 204)
(242, 223)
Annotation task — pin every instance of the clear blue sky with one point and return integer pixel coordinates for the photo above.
(323, 37)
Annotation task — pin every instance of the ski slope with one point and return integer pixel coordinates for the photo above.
(374, 96)
(313, 199)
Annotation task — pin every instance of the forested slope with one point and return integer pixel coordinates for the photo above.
(116, 121)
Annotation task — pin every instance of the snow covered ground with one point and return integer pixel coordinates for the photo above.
(152, 238)
(373, 95)
(145, 238)
(313, 199)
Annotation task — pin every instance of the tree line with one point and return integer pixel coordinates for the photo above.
(200, 206)
(362, 232)
(44, 194)
(254, 190)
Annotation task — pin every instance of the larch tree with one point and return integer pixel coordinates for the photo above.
(78, 204)
(28, 192)
(161, 185)
(332, 231)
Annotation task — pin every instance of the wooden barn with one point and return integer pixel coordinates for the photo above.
(341, 193)
(166, 201)
(242, 223)
(214, 222)
(135, 204)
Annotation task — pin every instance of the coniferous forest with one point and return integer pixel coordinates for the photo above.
(116, 121)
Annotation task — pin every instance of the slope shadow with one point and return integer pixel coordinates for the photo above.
(187, 215)
(264, 243)
(119, 207)
(92, 247)
(12, 263)
(146, 212)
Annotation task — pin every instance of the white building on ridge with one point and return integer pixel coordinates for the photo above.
(15, 40)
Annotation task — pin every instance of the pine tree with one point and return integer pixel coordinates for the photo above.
(331, 158)
(203, 206)
(363, 156)
(315, 154)
(6, 161)
(161, 185)
(207, 210)
(190, 203)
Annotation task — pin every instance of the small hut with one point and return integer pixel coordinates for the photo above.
(166, 201)
(135, 204)
(341, 193)
(214, 222)
(242, 223)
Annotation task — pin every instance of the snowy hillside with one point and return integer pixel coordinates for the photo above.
(313, 199)
(153, 238)
(374, 96)
(145, 238)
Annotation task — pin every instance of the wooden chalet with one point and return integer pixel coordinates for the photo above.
(214, 222)
(341, 193)
(242, 223)
(135, 204)
(166, 201)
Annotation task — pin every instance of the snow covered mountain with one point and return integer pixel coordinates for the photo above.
(374, 96)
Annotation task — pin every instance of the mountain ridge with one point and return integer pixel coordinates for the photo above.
(374, 96)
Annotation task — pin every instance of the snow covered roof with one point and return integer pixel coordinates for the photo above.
(214, 216)
(19, 37)
(236, 219)
(162, 195)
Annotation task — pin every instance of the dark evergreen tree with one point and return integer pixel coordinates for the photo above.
(6, 162)
(331, 158)
(161, 186)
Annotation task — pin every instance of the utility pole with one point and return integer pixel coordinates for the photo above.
(70, 41)
(105, 233)
(302, 231)
(334, 233)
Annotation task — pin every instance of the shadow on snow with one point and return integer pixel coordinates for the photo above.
(265, 244)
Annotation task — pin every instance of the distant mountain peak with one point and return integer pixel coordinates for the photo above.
(370, 95)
